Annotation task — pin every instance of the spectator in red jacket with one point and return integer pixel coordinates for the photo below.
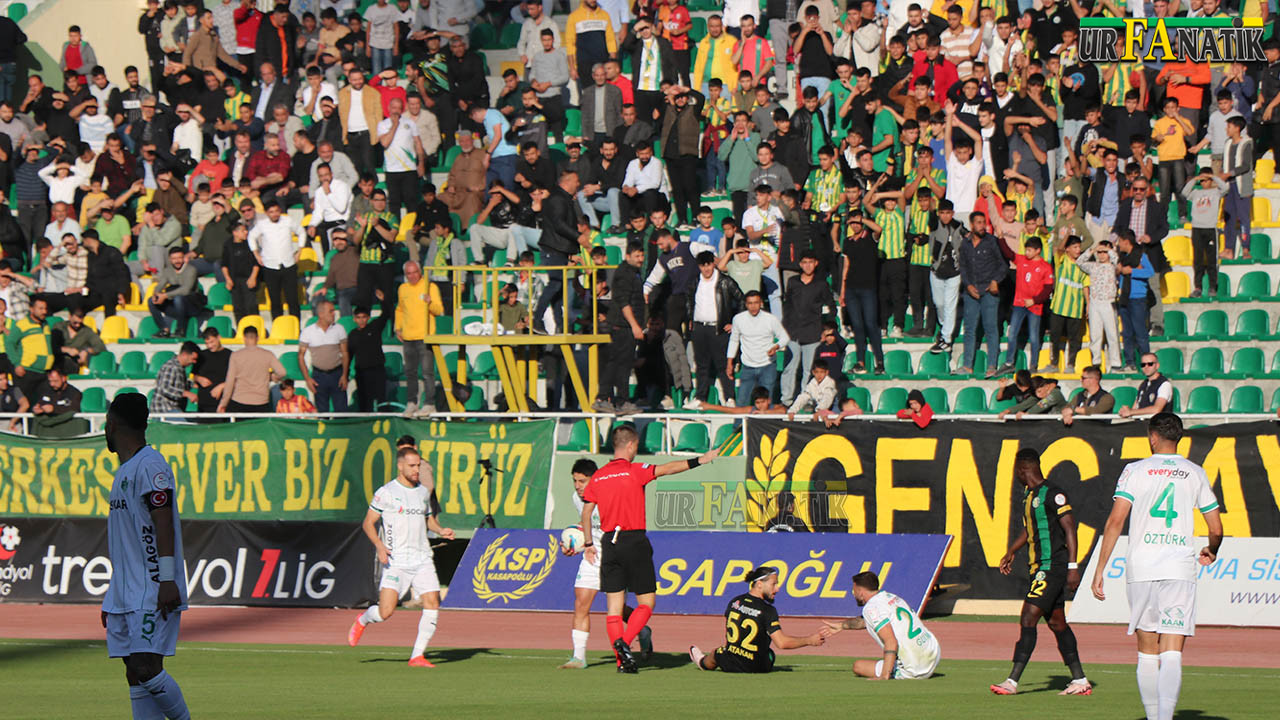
(248, 19)
(932, 64)
(1032, 285)
(917, 410)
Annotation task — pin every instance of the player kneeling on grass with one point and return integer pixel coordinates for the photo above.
(587, 582)
(750, 625)
(911, 652)
(403, 551)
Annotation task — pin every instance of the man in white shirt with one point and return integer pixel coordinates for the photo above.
(332, 206)
(330, 360)
(186, 136)
(1158, 496)
(274, 243)
(911, 652)
(1004, 46)
(405, 162)
(341, 166)
(310, 93)
(759, 335)
(964, 166)
(95, 126)
(644, 185)
(530, 42)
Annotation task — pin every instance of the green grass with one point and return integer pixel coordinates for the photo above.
(74, 679)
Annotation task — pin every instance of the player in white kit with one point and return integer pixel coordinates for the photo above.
(1158, 496)
(404, 507)
(911, 652)
(587, 582)
(148, 591)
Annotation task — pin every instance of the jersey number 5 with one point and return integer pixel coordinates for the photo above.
(1163, 506)
(734, 629)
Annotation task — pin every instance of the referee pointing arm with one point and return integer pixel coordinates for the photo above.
(627, 559)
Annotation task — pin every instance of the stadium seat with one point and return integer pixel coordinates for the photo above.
(1245, 399)
(443, 325)
(1248, 363)
(573, 122)
(115, 329)
(1262, 216)
(254, 321)
(897, 363)
(891, 400)
(1255, 285)
(1177, 250)
(484, 37)
(1253, 324)
(1204, 399)
(699, 29)
(446, 159)
(862, 396)
(475, 401)
(509, 37)
(485, 368)
(579, 437)
(937, 399)
(1260, 248)
(93, 400)
(17, 11)
(133, 365)
(290, 362)
(284, 328)
(723, 433)
(222, 324)
(1175, 325)
(693, 437)
(1264, 172)
(934, 365)
(1125, 395)
(1206, 362)
(157, 360)
(451, 363)
(308, 262)
(102, 365)
(613, 255)
(995, 406)
(123, 390)
(1170, 360)
(1211, 325)
(394, 366)
(651, 438)
(1177, 285)
(971, 400)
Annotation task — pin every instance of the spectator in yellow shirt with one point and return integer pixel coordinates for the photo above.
(419, 305)
(1170, 135)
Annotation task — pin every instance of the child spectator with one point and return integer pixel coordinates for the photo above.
(1204, 192)
(917, 410)
(291, 402)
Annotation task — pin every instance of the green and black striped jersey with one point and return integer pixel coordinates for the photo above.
(1046, 540)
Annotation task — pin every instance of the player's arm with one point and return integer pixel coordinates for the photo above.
(885, 633)
(790, 642)
(434, 526)
(588, 546)
(370, 527)
(1110, 534)
(679, 466)
(167, 597)
(1006, 562)
(832, 628)
(1068, 523)
(1209, 553)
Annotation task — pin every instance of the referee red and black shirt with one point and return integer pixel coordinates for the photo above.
(617, 489)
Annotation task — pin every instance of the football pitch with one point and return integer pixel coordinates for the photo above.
(75, 679)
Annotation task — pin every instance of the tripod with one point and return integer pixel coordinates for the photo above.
(487, 493)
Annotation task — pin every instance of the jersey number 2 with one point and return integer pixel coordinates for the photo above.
(748, 625)
(912, 630)
(1163, 506)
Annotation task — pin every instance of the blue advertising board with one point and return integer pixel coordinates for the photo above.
(698, 573)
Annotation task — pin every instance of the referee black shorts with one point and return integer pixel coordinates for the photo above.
(627, 563)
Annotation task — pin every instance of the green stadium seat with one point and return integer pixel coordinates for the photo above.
(862, 396)
(1175, 325)
(485, 37)
(995, 406)
(451, 363)
(1224, 290)
(573, 122)
(447, 158)
(934, 366)
(475, 401)
(1204, 399)
(223, 325)
(1254, 285)
(937, 399)
(897, 363)
(1211, 325)
(1253, 324)
(1206, 362)
(219, 297)
(1260, 248)
(102, 365)
(93, 400)
(723, 433)
(1275, 365)
(158, 360)
(17, 11)
(891, 400)
(123, 390)
(1245, 399)
(651, 438)
(485, 367)
(1170, 360)
(699, 29)
(133, 365)
(290, 362)
(444, 325)
(719, 215)
(612, 255)
(971, 400)
(1275, 400)
(693, 437)
(395, 365)
(509, 37)
(1248, 363)
(1125, 395)
(146, 328)
(579, 437)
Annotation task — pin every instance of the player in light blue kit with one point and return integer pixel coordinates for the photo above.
(148, 589)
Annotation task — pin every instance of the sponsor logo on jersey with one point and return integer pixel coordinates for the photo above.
(162, 481)
(510, 573)
(1060, 499)
(1035, 502)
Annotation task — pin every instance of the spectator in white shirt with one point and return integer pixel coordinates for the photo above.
(644, 186)
(530, 42)
(95, 126)
(820, 392)
(63, 181)
(405, 162)
(187, 135)
(60, 223)
(759, 335)
(310, 92)
(332, 206)
(338, 162)
(273, 241)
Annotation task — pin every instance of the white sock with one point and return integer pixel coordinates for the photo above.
(426, 628)
(144, 707)
(1011, 681)
(1170, 682)
(580, 644)
(168, 696)
(371, 615)
(1149, 683)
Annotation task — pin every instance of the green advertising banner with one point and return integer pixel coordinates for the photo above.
(294, 469)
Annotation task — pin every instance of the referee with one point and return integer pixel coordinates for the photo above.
(627, 560)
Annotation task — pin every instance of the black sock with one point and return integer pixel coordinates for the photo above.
(1022, 652)
(626, 613)
(1070, 654)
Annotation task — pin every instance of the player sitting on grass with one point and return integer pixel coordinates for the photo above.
(750, 625)
(1050, 531)
(404, 552)
(911, 652)
(587, 582)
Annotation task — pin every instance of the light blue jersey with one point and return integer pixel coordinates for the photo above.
(145, 481)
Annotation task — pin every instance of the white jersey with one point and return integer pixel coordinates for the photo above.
(404, 513)
(144, 482)
(1165, 490)
(597, 532)
(917, 647)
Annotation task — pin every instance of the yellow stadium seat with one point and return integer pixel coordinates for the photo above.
(406, 226)
(309, 260)
(91, 323)
(1084, 359)
(135, 298)
(1177, 249)
(1177, 285)
(1264, 173)
(1262, 216)
(251, 320)
(284, 328)
(115, 329)
(306, 221)
(514, 65)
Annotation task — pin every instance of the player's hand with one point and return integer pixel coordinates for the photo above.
(167, 599)
(446, 533)
(830, 628)
(567, 551)
(384, 557)
(590, 554)
(1073, 580)
(1006, 564)
(817, 639)
(708, 457)
(1097, 585)
(1207, 556)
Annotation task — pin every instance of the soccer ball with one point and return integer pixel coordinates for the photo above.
(572, 537)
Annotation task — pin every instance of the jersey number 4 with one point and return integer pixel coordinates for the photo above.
(1163, 506)
(734, 629)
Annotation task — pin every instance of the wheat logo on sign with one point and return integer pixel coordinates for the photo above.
(504, 566)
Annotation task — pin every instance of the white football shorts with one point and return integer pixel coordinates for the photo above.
(1163, 606)
(588, 574)
(422, 578)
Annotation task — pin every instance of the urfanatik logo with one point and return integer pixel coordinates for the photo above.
(1174, 39)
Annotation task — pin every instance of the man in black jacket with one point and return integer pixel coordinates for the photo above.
(624, 320)
(269, 47)
(710, 306)
(558, 217)
(681, 129)
(806, 302)
(1149, 221)
(108, 277)
(676, 263)
(602, 186)
(466, 73)
(788, 148)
